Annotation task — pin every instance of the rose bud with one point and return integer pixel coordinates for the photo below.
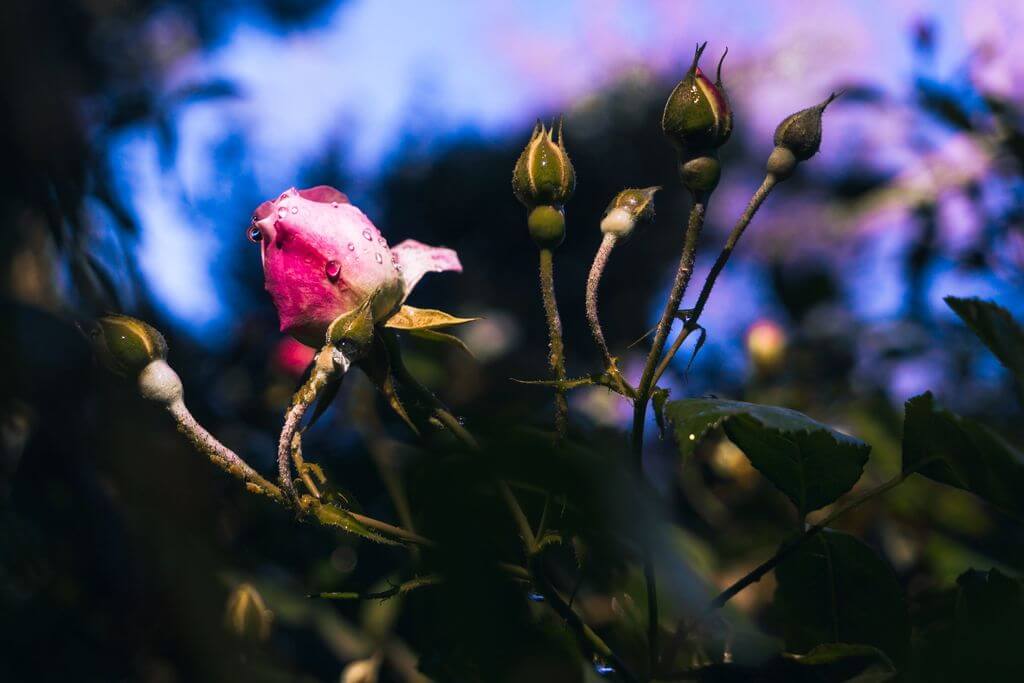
(126, 345)
(323, 258)
(797, 139)
(246, 615)
(626, 209)
(766, 345)
(544, 175)
(697, 118)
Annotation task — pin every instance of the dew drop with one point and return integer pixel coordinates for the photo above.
(398, 268)
(367, 235)
(281, 212)
(535, 597)
(295, 209)
(351, 246)
(333, 270)
(602, 668)
(255, 234)
(380, 259)
(334, 205)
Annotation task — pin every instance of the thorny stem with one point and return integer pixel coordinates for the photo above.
(383, 453)
(232, 463)
(593, 282)
(329, 363)
(589, 638)
(682, 279)
(783, 552)
(292, 418)
(643, 394)
(756, 200)
(530, 545)
(221, 455)
(556, 357)
(445, 417)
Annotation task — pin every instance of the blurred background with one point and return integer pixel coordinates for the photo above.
(138, 137)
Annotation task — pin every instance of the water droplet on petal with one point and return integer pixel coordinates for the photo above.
(367, 235)
(295, 209)
(334, 205)
(255, 234)
(333, 270)
(535, 597)
(380, 259)
(351, 246)
(281, 212)
(398, 268)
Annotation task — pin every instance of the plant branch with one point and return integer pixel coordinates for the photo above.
(220, 455)
(593, 283)
(587, 637)
(782, 553)
(440, 412)
(232, 463)
(682, 279)
(556, 357)
(690, 325)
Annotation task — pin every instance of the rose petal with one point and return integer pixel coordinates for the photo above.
(263, 210)
(418, 259)
(325, 194)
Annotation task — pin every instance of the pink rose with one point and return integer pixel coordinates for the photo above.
(322, 257)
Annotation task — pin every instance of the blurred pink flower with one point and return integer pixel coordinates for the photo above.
(291, 357)
(322, 258)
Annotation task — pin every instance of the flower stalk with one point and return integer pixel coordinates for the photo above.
(770, 181)
(556, 349)
(679, 285)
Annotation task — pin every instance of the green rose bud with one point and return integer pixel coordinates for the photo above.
(246, 615)
(797, 139)
(126, 345)
(544, 174)
(697, 117)
(626, 209)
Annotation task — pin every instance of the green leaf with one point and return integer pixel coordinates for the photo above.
(331, 515)
(811, 463)
(355, 327)
(835, 589)
(847, 662)
(988, 617)
(410, 318)
(832, 663)
(443, 338)
(963, 453)
(659, 397)
(996, 328)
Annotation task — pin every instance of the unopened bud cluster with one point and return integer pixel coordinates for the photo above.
(543, 180)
